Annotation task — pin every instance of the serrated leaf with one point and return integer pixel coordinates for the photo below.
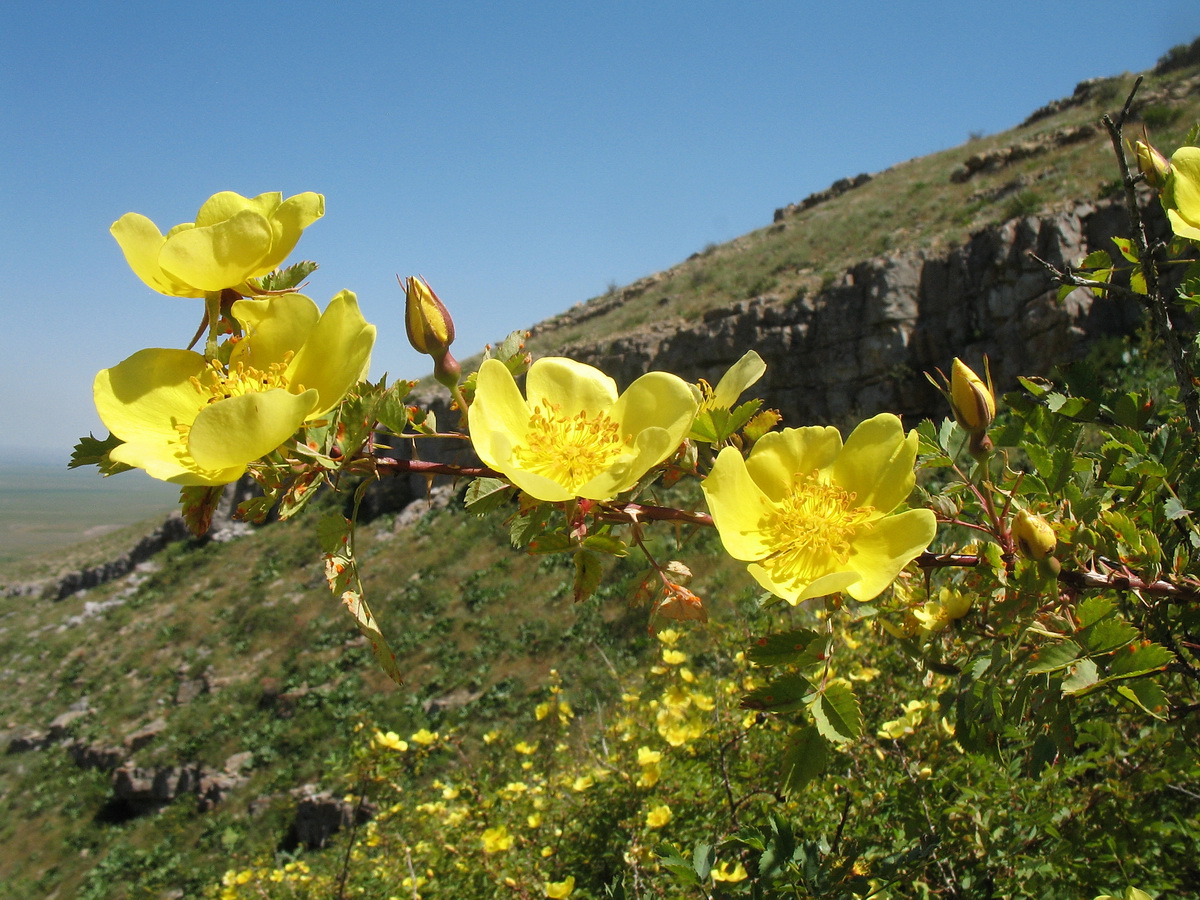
(781, 846)
(90, 451)
(782, 648)
(1080, 676)
(606, 543)
(589, 569)
(1138, 659)
(357, 606)
(1126, 248)
(1055, 657)
(1173, 509)
(1107, 635)
(1092, 609)
(836, 713)
(553, 542)
(702, 860)
(670, 859)
(391, 411)
(485, 495)
(1146, 694)
(333, 530)
(805, 758)
(288, 278)
(1096, 259)
(782, 694)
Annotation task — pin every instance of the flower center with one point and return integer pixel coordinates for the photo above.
(569, 450)
(812, 529)
(215, 383)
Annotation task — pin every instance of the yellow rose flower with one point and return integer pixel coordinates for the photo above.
(391, 741)
(1181, 197)
(729, 872)
(232, 239)
(557, 890)
(813, 516)
(195, 422)
(496, 840)
(572, 435)
(425, 736)
(659, 816)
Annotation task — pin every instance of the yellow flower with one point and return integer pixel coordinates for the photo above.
(390, 741)
(1181, 197)
(669, 637)
(973, 401)
(673, 657)
(648, 757)
(425, 736)
(525, 748)
(813, 517)
(233, 238)
(193, 422)
(557, 890)
(659, 816)
(573, 436)
(496, 840)
(729, 873)
(582, 783)
(1035, 538)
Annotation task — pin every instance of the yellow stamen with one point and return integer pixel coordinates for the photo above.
(571, 450)
(812, 529)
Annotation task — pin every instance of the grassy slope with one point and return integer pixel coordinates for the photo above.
(289, 675)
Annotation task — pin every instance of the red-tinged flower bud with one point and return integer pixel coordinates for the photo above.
(1035, 538)
(1153, 165)
(973, 402)
(430, 328)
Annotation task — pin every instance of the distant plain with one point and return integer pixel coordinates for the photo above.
(45, 506)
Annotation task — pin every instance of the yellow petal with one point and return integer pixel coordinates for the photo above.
(738, 506)
(218, 256)
(569, 386)
(877, 463)
(141, 241)
(227, 204)
(336, 355)
(291, 217)
(499, 417)
(144, 397)
(886, 547)
(238, 430)
(273, 327)
(780, 455)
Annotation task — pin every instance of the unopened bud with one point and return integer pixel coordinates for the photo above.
(1152, 164)
(973, 402)
(430, 328)
(1035, 538)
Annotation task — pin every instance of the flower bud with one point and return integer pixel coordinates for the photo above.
(972, 401)
(1035, 538)
(1152, 164)
(430, 328)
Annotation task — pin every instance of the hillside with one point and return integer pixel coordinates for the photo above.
(166, 724)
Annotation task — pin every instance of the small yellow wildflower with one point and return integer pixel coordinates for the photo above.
(582, 783)
(425, 737)
(557, 890)
(496, 840)
(390, 741)
(669, 637)
(659, 816)
(673, 657)
(525, 747)
(729, 872)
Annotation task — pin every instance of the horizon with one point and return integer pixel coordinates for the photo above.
(609, 144)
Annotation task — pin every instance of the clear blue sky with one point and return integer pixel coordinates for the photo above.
(522, 156)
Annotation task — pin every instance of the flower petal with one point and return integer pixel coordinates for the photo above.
(659, 400)
(141, 241)
(218, 256)
(881, 551)
(738, 507)
(336, 355)
(227, 204)
(780, 455)
(798, 591)
(172, 464)
(287, 222)
(144, 397)
(274, 327)
(569, 386)
(499, 417)
(740, 376)
(877, 463)
(240, 429)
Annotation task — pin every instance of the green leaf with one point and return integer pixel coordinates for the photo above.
(92, 452)
(1095, 260)
(670, 859)
(783, 648)
(806, 757)
(552, 542)
(1138, 659)
(1055, 657)
(1081, 676)
(391, 411)
(485, 495)
(606, 543)
(1173, 509)
(1092, 609)
(836, 713)
(589, 569)
(702, 860)
(1147, 695)
(1107, 635)
(288, 278)
(1127, 248)
(782, 694)
(333, 530)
